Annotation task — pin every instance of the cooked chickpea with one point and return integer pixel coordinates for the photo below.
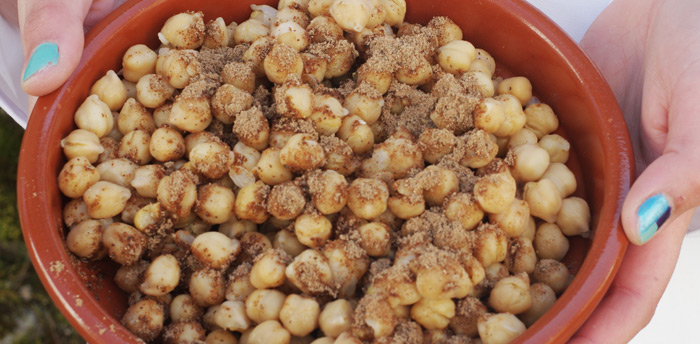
(77, 176)
(183, 308)
(231, 316)
(447, 30)
(499, 328)
(514, 119)
(314, 67)
(250, 30)
(511, 294)
(161, 114)
(138, 61)
(522, 137)
(489, 115)
(290, 33)
(256, 54)
(299, 315)
(433, 314)
(553, 273)
(341, 57)
(463, 208)
(574, 216)
(312, 230)
(557, 147)
(190, 113)
(531, 162)
(373, 318)
(282, 61)
(336, 318)
(166, 144)
(514, 220)
(286, 201)
(395, 12)
(145, 319)
(541, 119)
(294, 99)
(240, 75)
(75, 212)
(125, 244)
(543, 298)
(268, 332)
(162, 276)
(550, 242)
(495, 192)
(323, 28)
(518, 86)
(544, 199)
(105, 199)
(562, 177)
(365, 102)
(239, 286)
(221, 337)
(378, 78)
(251, 128)
(456, 56)
(95, 116)
(482, 149)
(216, 34)
(189, 331)
(310, 263)
(178, 66)
(351, 15)
(207, 287)
(418, 73)
(521, 256)
(177, 193)
(491, 245)
(367, 198)
(146, 179)
(128, 277)
(251, 202)
(211, 159)
(153, 90)
(85, 240)
(110, 90)
(302, 153)
(215, 250)
(184, 30)
(264, 304)
(329, 192)
(268, 270)
(135, 146)
(375, 239)
(228, 101)
(467, 313)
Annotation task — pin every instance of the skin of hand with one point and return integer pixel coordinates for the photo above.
(59, 25)
(649, 51)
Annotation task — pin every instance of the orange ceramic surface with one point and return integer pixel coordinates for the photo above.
(520, 38)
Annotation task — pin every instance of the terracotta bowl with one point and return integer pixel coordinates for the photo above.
(520, 38)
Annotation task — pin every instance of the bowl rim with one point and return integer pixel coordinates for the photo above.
(51, 260)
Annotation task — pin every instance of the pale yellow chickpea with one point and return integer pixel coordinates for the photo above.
(310, 263)
(351, 15)
(336, 318)
(456, 56)
(395, 12)
(208, 318)
(268, 332)
(166, 144)
(110, 146)
(489, 115)
(128, 277)
(367, 198)
(531, 161)
(207, 287)
(83, 143)
(557, 147)
(495, 192)
(327, 114)
(313, 230)
(550, 242)
(463, 208)
(264, 304)
(447, 30)
(281, 61)
(491, 245)
(95, 116)
(240, 75)
(110, 90)
(467, 312)
(146, 179)
(417, 73)
(250, 30)
(187, 331)
(436, 143)
(177, 193)
(239, 286)
(286, 201)
(184, 30)
(256, 53)
(541, 119)
(514, 220)
(511, 294)
(105, 199)
(348, 263)
(145, 319)
(294, 99)
(299, 315)
(522, 137)
(323, 29)
(406, 207)
(544, 199)
(530, 229)
(75, 212)
(270, 169)
(562, 177)
(153, 90)
(314, 67)
(365, 102)
(251, 202)
(182, 307)
(77, 176)
(373, 318)
(251, 128)
(574, 216)
(482, 81)
(288, 242)
(138, 61)
(221, 337)
(134, 116)
(482, 149)
(228, 102)
(211, 159)
(149, 218)
(339, 155)
(161, 114)
(135, 147)
(268, 270)
(518, 86)
(328, 191)
(341, 55)
(290, 33)
(514, 116)
(214, 249)
(552, 273)
(178, 66)
(543, 298)
(375, 239)
(216, 34)
(302, 153)
(85, 240)
(190, 113)
(162, 276)
(433, 314)
(231, 316)
(125, 244)
(499, 328)
(378, 78)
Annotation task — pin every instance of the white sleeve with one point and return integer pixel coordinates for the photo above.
(12, 98)
(573, 16)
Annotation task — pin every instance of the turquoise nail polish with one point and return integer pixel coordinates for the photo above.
(44, 55)
(651, 216)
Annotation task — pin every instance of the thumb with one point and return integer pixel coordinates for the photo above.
(52, 38)
(669, 186)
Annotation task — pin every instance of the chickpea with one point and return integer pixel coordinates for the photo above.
(239, 75)
(288, 242)
(521, 256)
(499, 328)
(77, 176)
(541, 119)
(491, 245)
(489, 115)
(299, 314)
(481, 149)
(514, 119)
(544, 199)
(574, 216)
(395, 12)
(543, 298)
(336, 318)
(135, 146)
(522, 137)
(178, 66)
(75, 212)
(268, 332)
(447, 30)
(514, 220)
(207, 287)
(251, 202)
(162, 276)
(348, 263)
(110, 90)
(215, 250)
(145, 319)
(463, 208)
(367, 198)
(323, 28)
(221, 337)
(128, 277)
(495, 192)
(467, 313)
(189, 331)
(373, 318)
(282, 61)
(216, 34)
(339, 155)
(211, 159)
(231, 316)
(550, 242)
(552, 273)
(375, 239)
(84, 240)
(436, 143)
(562, 177)
(251, 128)
(518, 86)
(184, 30)
(153, 90)
(365, 102)
(111, 147)
(177, 193)
(375, 76)
(166, 144)
(125, 244)
(341, 57)
(95, 116)
(511, 294)
(190, 113)
(312, 230)
(138, 61)
(134, 116)
(557, 147)
(329, 191)
(302, 153)
(307, 264)
(146, 179)
(105, 199)
(433, 314)
(418, 73)
(456, 56)
(229, 101)
(268, 270)
(351, 15)
(257, 52)
(239, 286)
(183, 308)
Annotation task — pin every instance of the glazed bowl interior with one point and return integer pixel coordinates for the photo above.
(521, 39)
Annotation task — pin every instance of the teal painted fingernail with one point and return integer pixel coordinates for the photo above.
(45, 54)
(651, 216)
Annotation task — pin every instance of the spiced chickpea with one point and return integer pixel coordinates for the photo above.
(550, 242)
(251, 128)
(239, 75)
(207, 287)
(367, 198)
(228, 101)
(184, 30)
(125, 244)
(302, 153)
(499, 328)
(574, 216)
(145, 319)
(162, 276)
(85, 240)
(166, 144)
(134, 116)
(95, 116)
(251, 202)
(110, 90)
(138, 61)
(77, 176)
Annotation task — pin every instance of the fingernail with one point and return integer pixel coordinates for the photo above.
(44, 55)
(651, 216)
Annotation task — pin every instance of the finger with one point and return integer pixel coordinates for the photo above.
(632, 298)
(52, 38)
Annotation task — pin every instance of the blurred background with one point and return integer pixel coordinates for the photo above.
(27, 314)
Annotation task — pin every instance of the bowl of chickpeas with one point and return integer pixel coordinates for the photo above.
(326, 171)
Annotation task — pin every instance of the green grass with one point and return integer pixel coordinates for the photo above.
(27, 314)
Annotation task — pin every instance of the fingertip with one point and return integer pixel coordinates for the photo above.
(48, 66)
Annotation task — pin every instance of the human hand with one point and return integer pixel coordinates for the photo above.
(649, 51)
(52, 38)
